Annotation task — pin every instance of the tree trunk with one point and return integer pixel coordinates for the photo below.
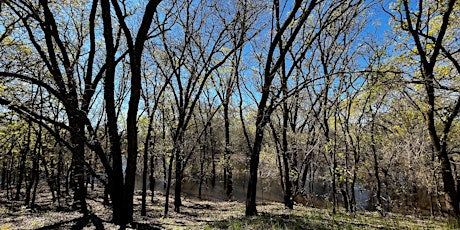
(34, 171)
(428, 61)
(202, 159)
(168, 185)
(278, 157)
(116, 180)
(5, 170)
(59, 178)
(251, 209)
(67, 179)
(135, 50)
(4, 167)
(151, 176)
(178, 173)
(52, 179)
(353, 207)
(35, 184)
(9, 176)
(48, 177)
(131, 162)
(287, 180)
(144, 180)
(165, 171)
(344, 192)
(334, 183)
(78, 156)
(449, 182)
(213, 155)
(22, 162)
(228, 166)
(38, 152)
(376, 167)
(147, 144)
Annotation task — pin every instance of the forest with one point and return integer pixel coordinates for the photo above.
(302, 114)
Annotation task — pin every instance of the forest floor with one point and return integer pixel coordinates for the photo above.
(202, 214)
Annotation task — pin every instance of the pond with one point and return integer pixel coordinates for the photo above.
(268, 190)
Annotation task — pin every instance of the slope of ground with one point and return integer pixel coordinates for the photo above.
(202, 214)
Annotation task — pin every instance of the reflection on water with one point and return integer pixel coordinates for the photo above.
(267, 190)
(270, 190)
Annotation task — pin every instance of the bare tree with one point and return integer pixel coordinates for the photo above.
(302, 17)
(428, 24)
(193, 60)
(122, 190)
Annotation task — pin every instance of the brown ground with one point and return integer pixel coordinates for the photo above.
(197, 214)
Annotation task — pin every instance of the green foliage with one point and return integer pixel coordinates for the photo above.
(322, 219)
(453, 223)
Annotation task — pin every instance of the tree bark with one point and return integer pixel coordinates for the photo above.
(151, 176)
(168, 185)
(228, 166)
(135, 50)
(147, 145)
(251, 209)
(116, 179)
(78, 163)
(264, 110)
(22, 162)
(376, 166)
(178, 171)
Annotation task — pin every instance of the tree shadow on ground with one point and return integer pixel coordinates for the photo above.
(93, 220)
(77, 223)
(194, 210)
(144, 226)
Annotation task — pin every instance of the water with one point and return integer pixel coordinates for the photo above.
(266, 190)
(269, 190)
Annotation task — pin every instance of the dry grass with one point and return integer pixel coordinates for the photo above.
(202, 214)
